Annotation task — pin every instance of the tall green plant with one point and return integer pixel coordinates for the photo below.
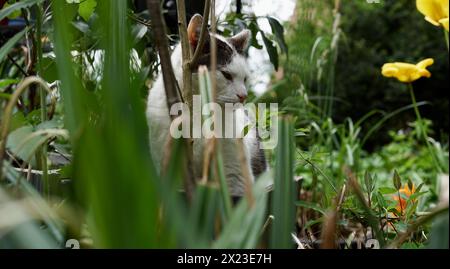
(113, 171)
(283, 200)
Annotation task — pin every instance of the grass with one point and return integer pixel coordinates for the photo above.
(102, 189)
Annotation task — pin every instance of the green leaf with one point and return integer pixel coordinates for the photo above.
(380, 199)
(24, 141)
(386, 190)
(310, 206)
(49, 71)
(14, 14)
(87, 8)
(10, 44)
(6, 11)
(22, 144)
(18, 120)
(284, 195)
(416, 195)
(368, 181)
(7, 82)
(244, 226)
(419, 187)
(254, 28)
(278, 31)
(410, 184)
(271, 50)
(313, 222)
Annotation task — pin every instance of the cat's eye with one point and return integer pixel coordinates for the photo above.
(227, 75)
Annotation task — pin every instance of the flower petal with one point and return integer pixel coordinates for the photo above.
(433, 10)
(389, 71)
(425, 63)
(425, 73)
(430, 20)
(444, 6)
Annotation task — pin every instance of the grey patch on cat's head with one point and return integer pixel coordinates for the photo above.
(224, 53)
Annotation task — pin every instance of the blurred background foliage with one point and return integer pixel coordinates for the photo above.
(389, 32)
(366, 36)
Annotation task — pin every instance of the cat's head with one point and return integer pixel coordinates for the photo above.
(232, 69)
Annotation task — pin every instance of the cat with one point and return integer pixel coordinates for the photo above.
(232, 74)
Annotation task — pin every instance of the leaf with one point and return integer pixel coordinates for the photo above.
(10, 44)
(55, 123)
(138, 32)
(416, 195)
(18, 120)
(310, 206)
(380, 199)
(397, 180)
(49, 72)
(20, 144)
(278, 31)
(284, 194)
(24, 141)
(271, 50)
(82, 26)
(410, 184)
(386, 190)
(368, 181)
(55, 227)
(7, 82)
(244, 226)
(5, 12)
(254, 28)
(14, 14)
(419, 187)
(87, 8)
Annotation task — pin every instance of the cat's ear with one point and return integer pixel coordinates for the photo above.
(194, 29)
(241, 41)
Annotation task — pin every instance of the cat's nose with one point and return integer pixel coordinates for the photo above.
(242, 97)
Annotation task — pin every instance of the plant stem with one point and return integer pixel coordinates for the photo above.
(203, 34)
(422, 131)
(400, 202)
(186, 53)
(43, 152)
(170, 82)
(414, 225)
(446, 38)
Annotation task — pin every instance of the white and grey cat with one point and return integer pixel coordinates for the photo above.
(232, 73)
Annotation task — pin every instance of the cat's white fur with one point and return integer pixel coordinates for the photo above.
(227, 92)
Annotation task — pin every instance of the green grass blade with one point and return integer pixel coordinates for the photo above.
(283, 200)
(4, 50)
(17, 6)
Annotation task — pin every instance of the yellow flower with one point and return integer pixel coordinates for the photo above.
(406, 72)
(435, 11)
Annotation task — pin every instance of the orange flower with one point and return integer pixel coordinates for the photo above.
(405, 192)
